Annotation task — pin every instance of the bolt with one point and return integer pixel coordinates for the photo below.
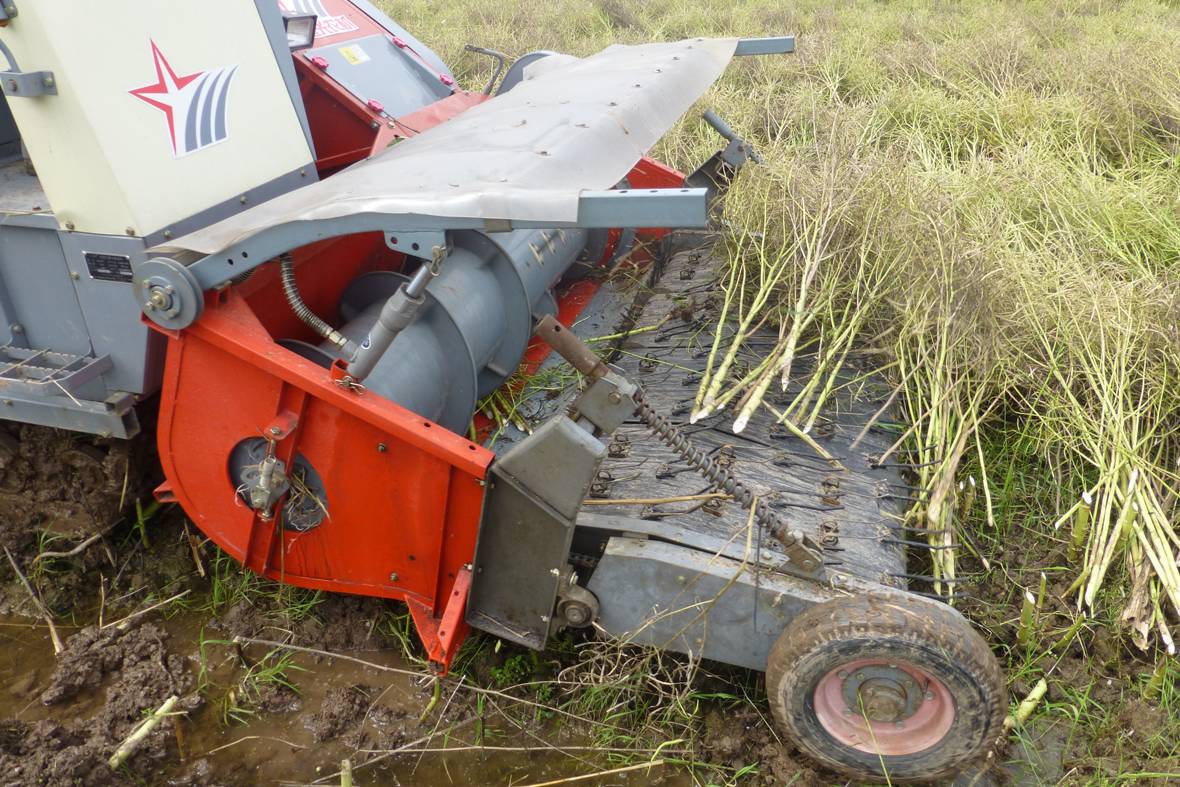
(393, 577)
(75, 275)
(860, 676)
(10, 9)
(899, 725)
(555, 572)
(274, 430)
(129, 231)
(167, 234)
(842, 674)
(242, 199)
(382, 448)
(47, 81)
(16, 327)
(70, 226)
(13, 87)
(544, 618)
(614, 397)
(929, 695)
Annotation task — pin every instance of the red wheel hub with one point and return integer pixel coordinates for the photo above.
(885, 707)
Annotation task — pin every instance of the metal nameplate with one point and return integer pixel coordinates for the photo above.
(109, 267)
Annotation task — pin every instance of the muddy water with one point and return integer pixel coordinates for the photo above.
(301, 738)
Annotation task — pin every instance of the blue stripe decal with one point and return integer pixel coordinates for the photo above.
(190, 120)
(223, 103)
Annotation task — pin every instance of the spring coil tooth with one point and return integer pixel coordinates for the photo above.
(672, 437)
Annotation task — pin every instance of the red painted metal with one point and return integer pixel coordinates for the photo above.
(929, 723)
(404, 495)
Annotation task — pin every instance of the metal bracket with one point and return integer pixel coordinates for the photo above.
(773, 45)
(15, 83)
(416, 244)
(681, 208)
(28, 84)
(8, 10)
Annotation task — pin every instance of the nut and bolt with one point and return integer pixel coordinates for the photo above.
(382, 448)
(275, 431)
(614, 397)
(16, 327)
(393, 577)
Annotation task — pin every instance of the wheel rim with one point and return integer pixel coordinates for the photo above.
(886, 707)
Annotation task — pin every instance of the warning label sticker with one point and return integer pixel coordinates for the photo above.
(328, 26)
(354, 54)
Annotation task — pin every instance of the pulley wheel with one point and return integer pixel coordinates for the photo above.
(886, 685)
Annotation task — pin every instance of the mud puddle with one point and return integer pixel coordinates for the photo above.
(61, 717)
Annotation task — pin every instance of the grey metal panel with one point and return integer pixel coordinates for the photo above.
(34, 275)
(526, 530)
(677, 598)
(112, 315)
(272, 22)
(382, 71)
(380, 18)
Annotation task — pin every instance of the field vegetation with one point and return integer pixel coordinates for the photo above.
(985, 197)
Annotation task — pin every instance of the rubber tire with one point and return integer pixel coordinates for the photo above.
(926, 633)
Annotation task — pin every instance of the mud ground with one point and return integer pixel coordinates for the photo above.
(63, 715)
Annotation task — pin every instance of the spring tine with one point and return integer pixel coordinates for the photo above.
(919, 544)
(942, 596)
(890, 496)
(969, 579)
(803, 506)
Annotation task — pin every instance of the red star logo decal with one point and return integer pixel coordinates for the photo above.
(168, 91)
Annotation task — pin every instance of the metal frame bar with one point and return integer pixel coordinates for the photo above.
(623, 208)
(773, 45)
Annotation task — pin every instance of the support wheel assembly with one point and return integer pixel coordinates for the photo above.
(886, 685)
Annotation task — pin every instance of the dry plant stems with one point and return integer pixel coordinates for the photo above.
(57, 646)
(128, 746)
(1027, 705)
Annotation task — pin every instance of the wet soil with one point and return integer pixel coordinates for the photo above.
(63, 715)
(69, 484)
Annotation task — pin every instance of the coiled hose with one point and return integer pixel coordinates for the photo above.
(304, 312)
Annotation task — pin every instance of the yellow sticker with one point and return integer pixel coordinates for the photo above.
(354, 54)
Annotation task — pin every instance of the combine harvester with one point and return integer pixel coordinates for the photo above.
(283, 237)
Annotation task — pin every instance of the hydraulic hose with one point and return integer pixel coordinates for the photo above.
(304, 312)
